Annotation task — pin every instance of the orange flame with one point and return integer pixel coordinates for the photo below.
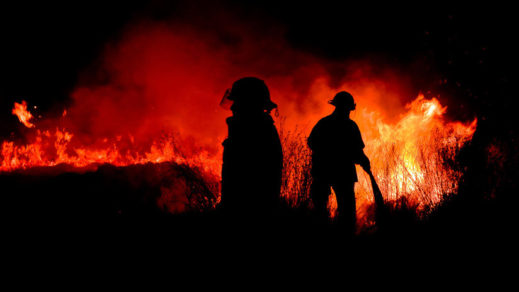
(410, 158)
(20, 110)
(51, 148)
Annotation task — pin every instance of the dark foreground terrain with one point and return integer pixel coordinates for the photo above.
(127, 207)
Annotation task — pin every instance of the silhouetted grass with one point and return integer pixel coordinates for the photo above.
(296, 179)
(411, 191)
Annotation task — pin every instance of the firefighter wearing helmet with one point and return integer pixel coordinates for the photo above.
(252, 155)
(337, 145)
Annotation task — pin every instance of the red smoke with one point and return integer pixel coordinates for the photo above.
(161, 78)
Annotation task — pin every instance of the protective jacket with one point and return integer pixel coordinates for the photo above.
(336, 145)
(252, 164)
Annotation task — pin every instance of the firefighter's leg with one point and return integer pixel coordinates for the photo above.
(346, 206)
(319, 192)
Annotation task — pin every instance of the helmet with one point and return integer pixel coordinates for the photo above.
(249, 92)
(343, 99)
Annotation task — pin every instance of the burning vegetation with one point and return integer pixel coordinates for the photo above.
(414, 159)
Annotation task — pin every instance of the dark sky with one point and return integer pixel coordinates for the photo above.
(45, 47)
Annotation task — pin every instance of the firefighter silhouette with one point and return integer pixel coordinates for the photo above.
(337, 145)
(252, 155)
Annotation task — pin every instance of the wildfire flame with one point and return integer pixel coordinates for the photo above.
(54, 147)
(20, 110)
(410, 158)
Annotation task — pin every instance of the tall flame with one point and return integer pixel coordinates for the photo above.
(412, 158)
(20, 110)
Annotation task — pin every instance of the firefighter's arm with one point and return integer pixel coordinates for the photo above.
(361, 157)
(364, 162)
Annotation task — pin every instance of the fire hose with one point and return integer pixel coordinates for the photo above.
(381, 211)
